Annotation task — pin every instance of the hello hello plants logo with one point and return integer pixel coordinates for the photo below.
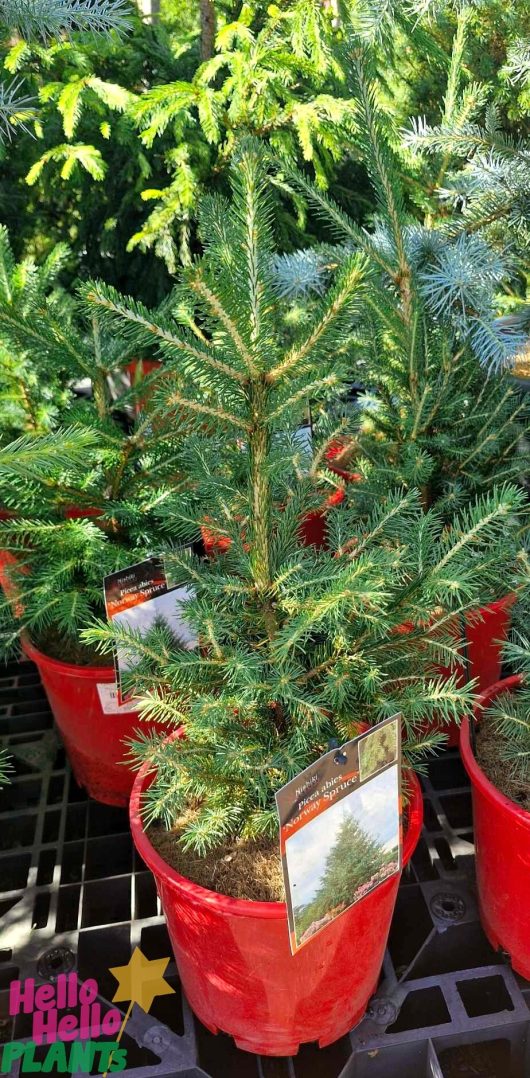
(67, 1043)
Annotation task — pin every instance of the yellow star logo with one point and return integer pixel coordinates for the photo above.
(141, 980)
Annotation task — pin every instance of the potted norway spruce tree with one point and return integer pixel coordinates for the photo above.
(438, 410)
(76, 517)
(299, 646)
(497, 760)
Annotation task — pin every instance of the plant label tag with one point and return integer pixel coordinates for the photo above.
(340, 829)
(133, 585)
(109, 699)
(137, 598)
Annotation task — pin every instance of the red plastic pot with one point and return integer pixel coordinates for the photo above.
(138, 369)
(236, 966)
(332, 453)
(502, 844)
(6, 558)
(76, 512)
(93, 737)
(312, 528)
(485, 638)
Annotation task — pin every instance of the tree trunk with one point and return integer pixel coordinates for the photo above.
(207, 28)
(150, 9)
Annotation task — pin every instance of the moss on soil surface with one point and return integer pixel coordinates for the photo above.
(68, 650)
(499, 772)
(250, 870)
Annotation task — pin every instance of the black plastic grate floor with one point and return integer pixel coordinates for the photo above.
(74, 894)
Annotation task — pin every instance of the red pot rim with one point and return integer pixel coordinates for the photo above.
(101, 672)
(503, 603)
(473, 768)
(242, 907)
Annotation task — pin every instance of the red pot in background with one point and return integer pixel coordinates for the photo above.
(502, 844)
(138, 369)
(212, 541)
(332, 453)
(6, 558)
(312, 529)
(313, 525)
(484, 651)
(77, 512)
(485, 639)
(235, 963)
(91, 724)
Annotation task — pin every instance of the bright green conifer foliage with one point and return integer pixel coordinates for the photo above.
(439, 410)
(296, 644)
(510, 715)
(31, 396)
(88, 499)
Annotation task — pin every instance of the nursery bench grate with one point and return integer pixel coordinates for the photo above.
(74, 895)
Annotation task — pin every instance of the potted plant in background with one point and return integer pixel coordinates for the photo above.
(298, 645)
(497, 760)
(76, 521)
(30, 399)
(438, 410)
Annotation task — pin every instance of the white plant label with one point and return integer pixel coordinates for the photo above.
(108, 698)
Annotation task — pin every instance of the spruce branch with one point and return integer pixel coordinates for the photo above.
(45, 19)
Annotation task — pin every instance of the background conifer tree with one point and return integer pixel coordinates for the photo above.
(31, 396)
(47, 19)
(86, 501)
(439, 409)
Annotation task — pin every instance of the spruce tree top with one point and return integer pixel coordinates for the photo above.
(296, 644)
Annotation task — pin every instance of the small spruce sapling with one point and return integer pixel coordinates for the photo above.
(86, 501)
(509, 715)
(297, 645)
(31, 397)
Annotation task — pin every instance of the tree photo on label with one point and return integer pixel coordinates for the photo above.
(340, 829)
(138, 598)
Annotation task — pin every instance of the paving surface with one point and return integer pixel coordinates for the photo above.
(74, 895)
